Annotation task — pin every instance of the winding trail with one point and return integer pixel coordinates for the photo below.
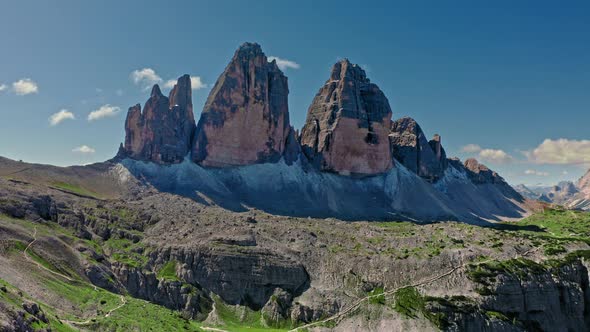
(354, 306)
(39, 265)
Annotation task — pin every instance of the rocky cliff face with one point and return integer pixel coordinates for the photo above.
(162, 133)
(246, 118)
(410, 147)
(347, 124)
(480, 174)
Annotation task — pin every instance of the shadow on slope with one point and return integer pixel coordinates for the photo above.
(300, 192)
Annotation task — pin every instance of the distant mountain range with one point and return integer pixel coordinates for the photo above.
(565, 193)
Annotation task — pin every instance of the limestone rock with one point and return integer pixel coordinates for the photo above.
(246, 118)
(480, 173)
(410, 147)
(163, 131)
(347, 124)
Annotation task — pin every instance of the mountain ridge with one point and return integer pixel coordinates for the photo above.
(349, 133)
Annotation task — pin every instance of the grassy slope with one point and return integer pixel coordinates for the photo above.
(135, 315)
(551, 228)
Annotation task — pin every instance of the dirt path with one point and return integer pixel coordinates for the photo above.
(212, 329)
(357, 304)
(39, 265)
(71, 322)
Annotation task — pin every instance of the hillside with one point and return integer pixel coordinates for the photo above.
(229, 270)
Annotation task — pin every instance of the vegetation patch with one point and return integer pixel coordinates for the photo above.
(75, 189)
(377, 296)
(484, 272)
(126, 252)
(241, 318)
(168, 272)
(554, 224)
(409, 302)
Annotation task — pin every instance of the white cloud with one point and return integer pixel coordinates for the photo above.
(145, 77)
(3, 87)
(61, 116)
(561, 152)
(490, 155)
(471, 148)
(169, 84)
(284, 63)
(494, 156)
(536, 173)
(103, 112)
(25, 86)
(565, 173)
(196, 83)
(84, 149)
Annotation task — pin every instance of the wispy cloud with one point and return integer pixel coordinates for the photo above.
(471, 148)
(196, 83)
(25, 86)
(120, 92)
(61, 116)
(145, 77)
(560, 152)
(3, 87)
(490, 155)
(85, 149)
(535, 172)
(495, 156)
(103, 112)
(284, 64)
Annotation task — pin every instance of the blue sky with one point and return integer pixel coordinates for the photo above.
(500, 77)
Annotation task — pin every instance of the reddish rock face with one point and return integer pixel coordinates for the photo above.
(163, 131)
(347, 124)
(410, 147)
(480, 173)
(246, 118)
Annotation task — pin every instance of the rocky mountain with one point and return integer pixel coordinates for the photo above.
(581, 200)
(127, 256)
(347, 124)
(246, 117)
(565, 193)
(163, 131)
(351, 160)
(526, 192)
(411, 148)
(240, 223)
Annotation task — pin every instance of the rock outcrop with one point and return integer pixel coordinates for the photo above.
(347, 124)
(173, 294)
(246, 117)
(163, 131)
(480, 173)
(410, 147)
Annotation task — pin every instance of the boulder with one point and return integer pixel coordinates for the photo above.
(410, 147)
(347, 124)
(246, 117)
(163, 131)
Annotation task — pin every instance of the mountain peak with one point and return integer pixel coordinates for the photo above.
(347, 125)
(246, 117)
(156, 92)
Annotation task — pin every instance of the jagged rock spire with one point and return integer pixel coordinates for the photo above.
(410, 147)
(163, 131)
(246, 118)
(348, 123)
